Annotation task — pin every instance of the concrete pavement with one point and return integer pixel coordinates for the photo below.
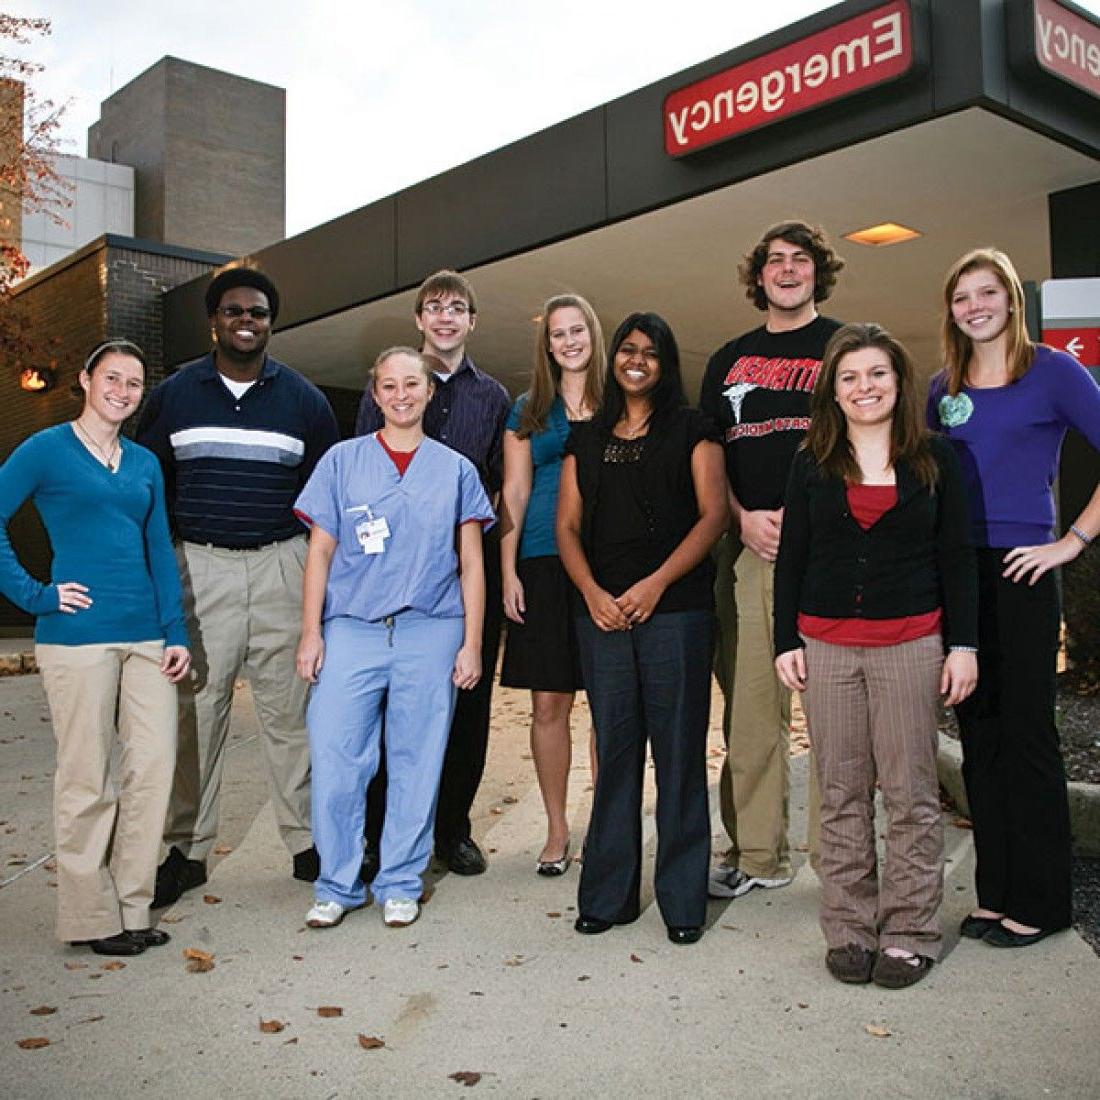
(492, 980)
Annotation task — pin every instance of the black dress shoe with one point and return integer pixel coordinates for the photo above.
(122, 943)
(465, 858)
(372, 862)
(687, 933)
(592, 926)
(976, 928)
(307, 865)
(148, 937)
(176, 875)
(1005, 937)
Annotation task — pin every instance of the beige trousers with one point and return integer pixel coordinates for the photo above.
(873, 715)
(108, 838)
(244, 612)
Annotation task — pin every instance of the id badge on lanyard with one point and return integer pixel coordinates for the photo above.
(372, 531)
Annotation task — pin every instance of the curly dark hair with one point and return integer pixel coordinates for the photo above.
(809, 237)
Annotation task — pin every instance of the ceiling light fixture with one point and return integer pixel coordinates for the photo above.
(882, 234)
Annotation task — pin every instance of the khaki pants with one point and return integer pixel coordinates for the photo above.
(873, 713)
(108, 840)
(244, 611)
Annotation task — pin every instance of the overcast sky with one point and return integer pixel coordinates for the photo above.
(383, 93)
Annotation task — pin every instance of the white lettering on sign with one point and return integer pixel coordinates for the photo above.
(1067, 45)
(858, 53)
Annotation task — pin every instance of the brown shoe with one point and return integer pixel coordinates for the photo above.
(852, 964)
(893, 973)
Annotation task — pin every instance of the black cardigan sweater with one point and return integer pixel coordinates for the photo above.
(916, 558)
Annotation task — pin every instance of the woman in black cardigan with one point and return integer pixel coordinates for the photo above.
(642, 501)
(875, 570)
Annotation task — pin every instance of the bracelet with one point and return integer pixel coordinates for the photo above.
(962, 649)
(1087, 540)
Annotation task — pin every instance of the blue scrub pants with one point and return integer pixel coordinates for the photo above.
(398, 669)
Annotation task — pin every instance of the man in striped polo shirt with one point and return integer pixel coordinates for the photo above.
(238, 435)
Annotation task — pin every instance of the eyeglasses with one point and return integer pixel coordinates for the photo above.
(451, 309)
(257, 313)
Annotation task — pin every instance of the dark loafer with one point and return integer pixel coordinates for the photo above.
(891, 972)
(684, 934)
(465, 858)
(851, 963)
(148, 937)
(592, 926)
(999, 936)
(976, 928)
(122, 943)
(176, 875)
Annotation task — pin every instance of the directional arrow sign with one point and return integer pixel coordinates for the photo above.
(1071, 318)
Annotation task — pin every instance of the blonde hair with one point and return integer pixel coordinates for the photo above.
(957, 346)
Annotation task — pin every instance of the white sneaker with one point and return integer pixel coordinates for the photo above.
(325, 914)
(732, 882)
(399, 912)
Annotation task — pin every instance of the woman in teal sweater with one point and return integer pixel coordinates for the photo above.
(110, 640)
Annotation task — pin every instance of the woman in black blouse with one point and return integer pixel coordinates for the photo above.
(875, 572)
(642, 501)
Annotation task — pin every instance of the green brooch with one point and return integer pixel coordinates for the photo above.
(955, 410)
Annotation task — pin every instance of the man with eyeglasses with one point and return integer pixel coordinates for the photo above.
(757, 390)
(238, 434)
(467, 412)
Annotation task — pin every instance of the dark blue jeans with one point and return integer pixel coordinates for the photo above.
(649, 684)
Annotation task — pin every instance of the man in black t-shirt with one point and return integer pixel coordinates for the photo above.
(757, 388)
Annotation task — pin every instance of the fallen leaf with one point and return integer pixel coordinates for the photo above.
(171, 918)
(465, 1077)
(327, 1012)
(94, 977)
(515, 960)
(222, 850)
(211, 899)
(290, 1042)
(198, 962)
(90, 1020)
(371, 1042)
(879, 1031)
(553, 914)
(509, 800)
(803, 1004)
(271, 1027)
(114, 964)
(496, 810)
(43, 1010)
(634, 958)
(297, 958)
(584, 977)
(32, 1044)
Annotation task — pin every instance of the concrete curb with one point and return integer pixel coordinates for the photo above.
(1084, 799)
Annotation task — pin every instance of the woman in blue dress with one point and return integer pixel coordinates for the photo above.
(540, 652)
(111, 644)
(394, 593)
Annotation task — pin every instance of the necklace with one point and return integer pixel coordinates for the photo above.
(109, 457)
(574, 412)
(633, 431)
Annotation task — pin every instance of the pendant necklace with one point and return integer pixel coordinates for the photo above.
(109, 457)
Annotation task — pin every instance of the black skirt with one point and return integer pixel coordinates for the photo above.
(540, 653)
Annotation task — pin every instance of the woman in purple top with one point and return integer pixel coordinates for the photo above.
(1006, 403)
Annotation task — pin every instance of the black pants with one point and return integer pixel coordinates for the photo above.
(468, 740)
(650, 684)
(1012, 759)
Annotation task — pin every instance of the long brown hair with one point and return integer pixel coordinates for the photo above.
(546, 374)
(958, 347)
(827, 440)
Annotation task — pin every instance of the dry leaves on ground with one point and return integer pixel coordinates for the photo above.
(634, 958)
(222, 850)
(43, 1010)
(515, 960)
(371, 1042)
(211, 899)
(35, 1043)
(328, 1012)
(879, 1031)
(271, 1027)
(198, 962)
(465, 1077)
(114, 964)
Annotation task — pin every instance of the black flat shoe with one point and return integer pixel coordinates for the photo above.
(176, 875)
(683, 934)
(553, 868)
(465, 858)
(148, 937)
(120, 944)
(1000, 936)
(976, 928)
(592, 926)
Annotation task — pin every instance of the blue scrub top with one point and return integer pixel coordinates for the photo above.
(356, 481)
(547, 452)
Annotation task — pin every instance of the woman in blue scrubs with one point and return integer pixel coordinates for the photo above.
(391, 627)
